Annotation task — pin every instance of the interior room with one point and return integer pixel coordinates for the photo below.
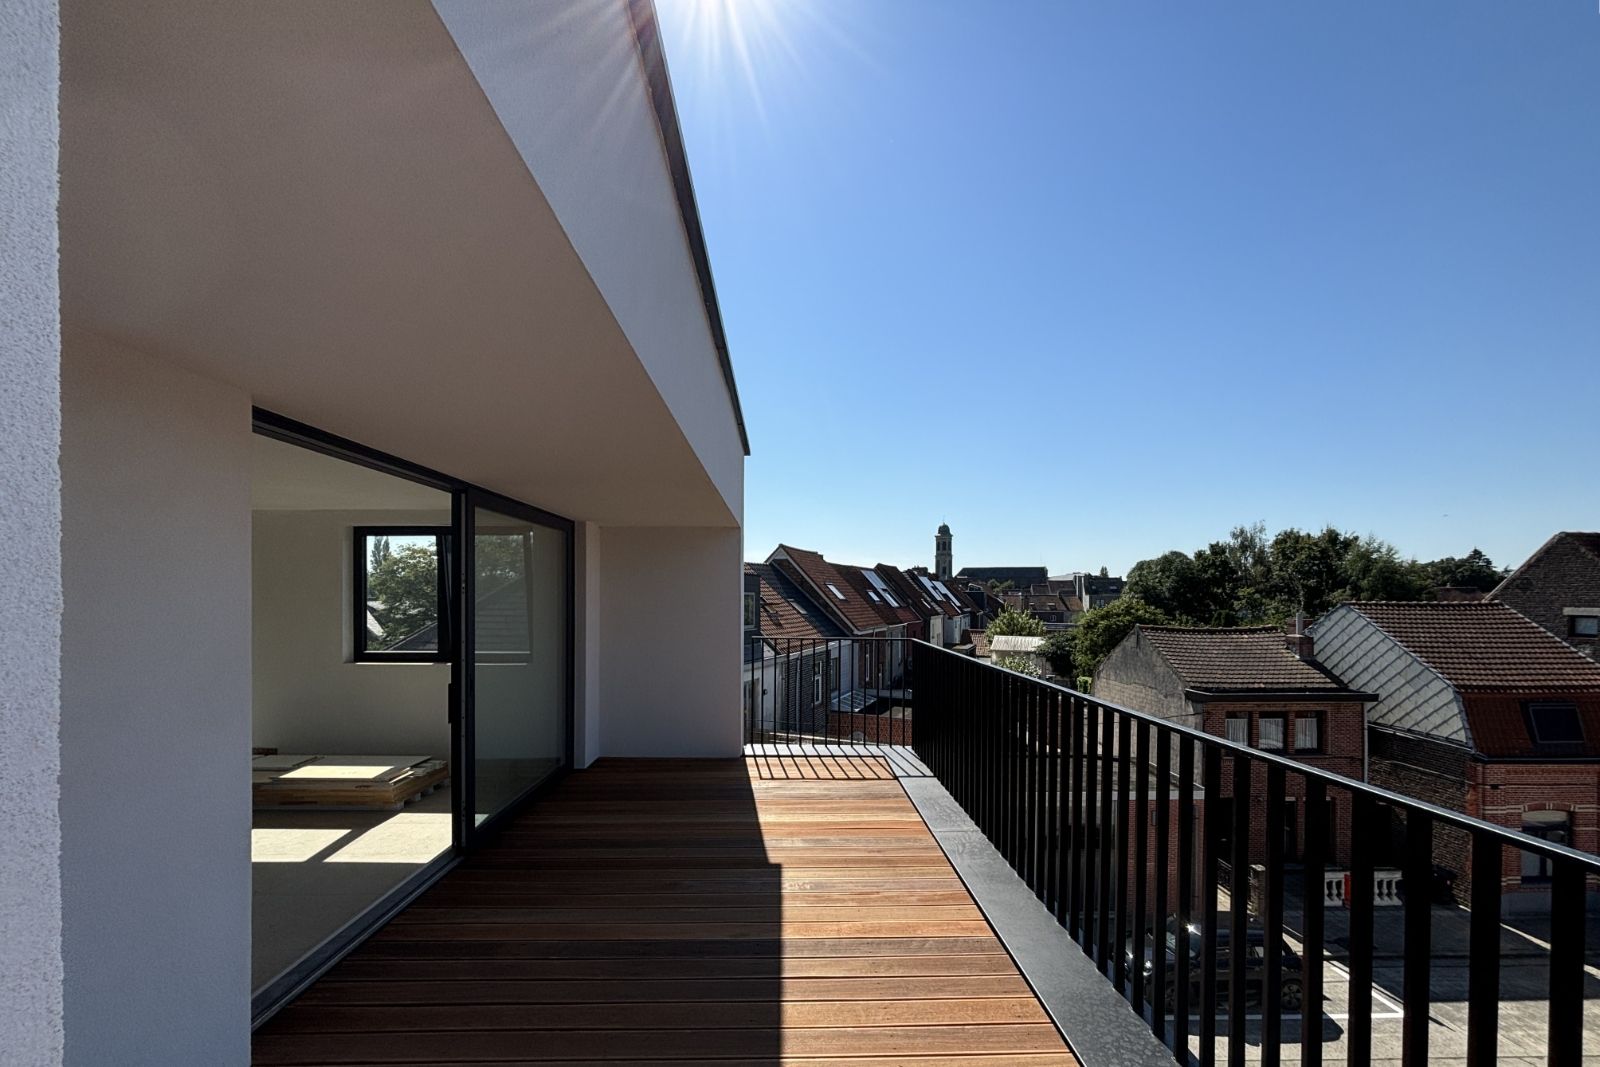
(351, 733)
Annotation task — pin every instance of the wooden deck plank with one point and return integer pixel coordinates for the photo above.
(780, 910)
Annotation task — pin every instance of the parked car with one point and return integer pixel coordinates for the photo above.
(1291, 991)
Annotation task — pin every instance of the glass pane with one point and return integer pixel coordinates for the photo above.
(1271, 734)
(519, 620)
(402, 592)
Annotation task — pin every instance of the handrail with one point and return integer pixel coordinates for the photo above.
(1515, 838)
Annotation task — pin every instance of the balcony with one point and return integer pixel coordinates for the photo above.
(997, 892)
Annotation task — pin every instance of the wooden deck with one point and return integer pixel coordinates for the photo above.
(774, 910)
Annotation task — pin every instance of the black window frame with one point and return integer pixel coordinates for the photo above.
(1572, 627)
(359, 536)
(1554, 747)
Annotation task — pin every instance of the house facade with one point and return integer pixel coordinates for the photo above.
(1256, 686)
(1481, 711)
(1559, 588)
(276, 274)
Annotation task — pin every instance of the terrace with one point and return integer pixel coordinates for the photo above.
(979, 896)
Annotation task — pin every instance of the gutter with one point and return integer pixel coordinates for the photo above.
(1287, 696)
(647, 37)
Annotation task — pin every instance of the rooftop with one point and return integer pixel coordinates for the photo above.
(1484, 646)
(1238, 659)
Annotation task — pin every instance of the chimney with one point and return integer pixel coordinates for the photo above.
(1299, 642)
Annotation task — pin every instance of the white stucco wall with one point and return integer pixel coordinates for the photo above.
(308, 696)
(570, 91)
(670, 662)
(30, 526)
(155, 724)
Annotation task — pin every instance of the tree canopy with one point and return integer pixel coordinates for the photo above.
(1013, 623)
(1099, 630)
(1251, 578)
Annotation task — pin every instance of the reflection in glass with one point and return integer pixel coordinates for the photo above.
(519, 657)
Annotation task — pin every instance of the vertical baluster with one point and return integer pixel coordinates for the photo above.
(1359, 901)
(1238, 911)
(1418, 874)
(1181, 959)
(1160, 1002)
(1119, 939)
(1483, 953)
(1090, 824)
(1071, 885)
(1272, 989)
(1051, 703)
(1312, 923)
(1141, 859)
(1107, 813)
(1210, 876)
(1567, 977)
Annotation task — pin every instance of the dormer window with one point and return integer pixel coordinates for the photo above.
(1554, 723)
(1585, 625)
(835, 591)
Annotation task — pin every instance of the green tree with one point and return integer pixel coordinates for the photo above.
(1100, 630)
(1020, 664)
(1058, 652)
(1014, 623)
(405, 583)
(1473, 571)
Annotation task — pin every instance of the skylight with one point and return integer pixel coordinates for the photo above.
(880, 585)
(835, 591)
(873, 597)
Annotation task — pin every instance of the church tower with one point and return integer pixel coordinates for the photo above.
(941, 553)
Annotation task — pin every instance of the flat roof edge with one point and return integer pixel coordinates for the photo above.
(647, 37)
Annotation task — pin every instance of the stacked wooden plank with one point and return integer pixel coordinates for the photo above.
(780, 911)
(344, 782)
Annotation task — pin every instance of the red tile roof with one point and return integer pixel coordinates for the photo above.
(786, 610)
(1484, 646)
(863, 587)
(1238, 660)
(909, 590)
(853, 609)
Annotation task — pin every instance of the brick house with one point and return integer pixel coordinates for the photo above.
(1257, 686)
(1559, 588)
(1480, 711)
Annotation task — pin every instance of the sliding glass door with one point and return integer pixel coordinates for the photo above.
(518, 651)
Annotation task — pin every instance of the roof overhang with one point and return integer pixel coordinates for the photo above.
(1279, 696)
(321, 205)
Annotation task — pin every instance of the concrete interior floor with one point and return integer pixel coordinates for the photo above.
(314, 872)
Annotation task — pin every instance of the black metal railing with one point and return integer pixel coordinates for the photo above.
(1134, 831)
(841, 691)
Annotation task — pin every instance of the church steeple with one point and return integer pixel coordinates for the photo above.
(942, 559)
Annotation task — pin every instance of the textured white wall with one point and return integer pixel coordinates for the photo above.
(307, 695)
(670, 661)
(570, 90)
(30, 532)
(155, 722)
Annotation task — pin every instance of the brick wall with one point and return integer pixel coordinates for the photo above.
(1498, 792)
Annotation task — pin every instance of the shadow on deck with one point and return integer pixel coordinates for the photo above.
(776, 909)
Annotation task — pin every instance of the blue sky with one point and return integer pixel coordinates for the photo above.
(1094, 280)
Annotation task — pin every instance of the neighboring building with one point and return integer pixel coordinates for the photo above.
(275, 273)
(1015, 652)
(1097, 590)
(1052, 603)
(1479, 710)
(943, 559)
(1019, 577)
(1254, 685)
(1559, 588)
(957, 613)
(793, 659)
